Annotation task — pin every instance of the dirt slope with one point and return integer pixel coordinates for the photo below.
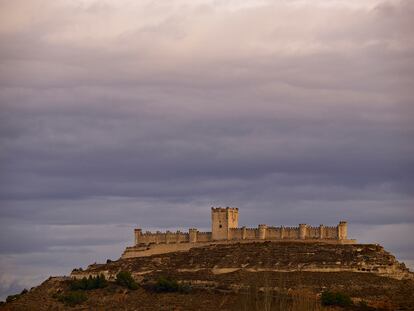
(243, 277)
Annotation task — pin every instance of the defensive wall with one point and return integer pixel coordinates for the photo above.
(224, 223)
(262, 232)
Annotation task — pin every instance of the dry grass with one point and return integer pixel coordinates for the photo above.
(262, 294)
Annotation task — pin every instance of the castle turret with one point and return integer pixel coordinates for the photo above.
(262, 232)
(223, 219)
(192, 233)
(169, 237)
(342, 230)
(302, 231)
(137, 235)
(244, 233)
(321, 232)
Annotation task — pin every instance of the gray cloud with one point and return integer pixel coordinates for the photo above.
(115, 115)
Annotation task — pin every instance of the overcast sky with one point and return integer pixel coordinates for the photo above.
(117, 114)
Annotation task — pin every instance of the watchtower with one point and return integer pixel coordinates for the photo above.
(222, 219)
(342, 230)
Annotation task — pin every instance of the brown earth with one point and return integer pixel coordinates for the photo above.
(254, 276)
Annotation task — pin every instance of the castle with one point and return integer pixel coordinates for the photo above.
(225, 229)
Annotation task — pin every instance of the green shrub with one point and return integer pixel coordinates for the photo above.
(89, 283)
(73, 298)
(166, 284)
(11, 298)
(124, 278)
(335, 299)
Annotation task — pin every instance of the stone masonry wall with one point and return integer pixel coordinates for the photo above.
(224, 225)
(262, 232)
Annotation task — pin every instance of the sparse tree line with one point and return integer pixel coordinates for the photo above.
(77, 289)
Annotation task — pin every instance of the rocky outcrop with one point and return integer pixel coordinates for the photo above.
(241, 276)
(265, 256)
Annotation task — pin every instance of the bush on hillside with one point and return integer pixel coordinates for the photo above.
(166, 284)
(11, 298)
(335, 299)
(124, 278)
(89, 283)
(73, 298)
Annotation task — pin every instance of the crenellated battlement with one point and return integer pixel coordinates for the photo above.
(224, 227)
(224, 209)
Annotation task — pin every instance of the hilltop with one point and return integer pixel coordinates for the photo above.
(242, 276)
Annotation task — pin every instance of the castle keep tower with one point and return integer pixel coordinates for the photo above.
(223, 219)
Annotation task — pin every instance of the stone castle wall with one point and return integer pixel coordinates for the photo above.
(225, 229)
(262, 232)
(158, 237)
(204, 237)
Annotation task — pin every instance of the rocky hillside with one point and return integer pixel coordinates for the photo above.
(263, 256)
(247, 276)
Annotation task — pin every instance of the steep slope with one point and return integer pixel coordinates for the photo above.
(231, 276)
(265, 256)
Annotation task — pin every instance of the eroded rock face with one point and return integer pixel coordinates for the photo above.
(266, 256)
(231, 276)
(363, 271)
